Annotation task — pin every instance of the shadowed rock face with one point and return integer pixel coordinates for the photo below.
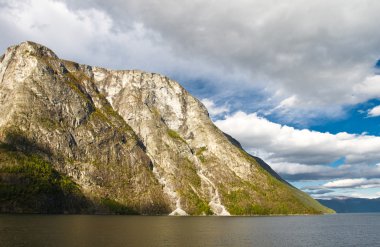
(128, 141)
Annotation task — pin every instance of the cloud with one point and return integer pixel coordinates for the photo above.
(362, 195)
(345, 196)
(368, 88)
(302, 172)
(320, 192)
(287, 144)
(213, 109)
(345, 188)
(91, 36)
(301, 154)
(309, 51)
(354, 183)
(53, 24)
(288, 102)
(374, 112)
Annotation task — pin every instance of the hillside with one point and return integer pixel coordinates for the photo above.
(81, 139)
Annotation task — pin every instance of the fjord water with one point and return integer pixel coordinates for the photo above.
(84, 230)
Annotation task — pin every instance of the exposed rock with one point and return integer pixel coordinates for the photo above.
(132, 140)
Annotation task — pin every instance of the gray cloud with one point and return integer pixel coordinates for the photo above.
(311, 50)
(92, 36)
(292, 172)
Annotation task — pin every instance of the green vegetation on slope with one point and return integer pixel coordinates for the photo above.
(116, 208)
(271, 197)
(193, 202)
(29, 184)
(173, 134)
(196, 205)
(199, 154)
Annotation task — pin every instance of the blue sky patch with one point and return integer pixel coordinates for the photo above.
(356, 121)
(338, 162)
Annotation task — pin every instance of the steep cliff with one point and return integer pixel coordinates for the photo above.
(122, 142)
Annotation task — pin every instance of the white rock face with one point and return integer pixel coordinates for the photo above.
(154, 106)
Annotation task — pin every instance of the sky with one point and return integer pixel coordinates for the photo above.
(296, 82)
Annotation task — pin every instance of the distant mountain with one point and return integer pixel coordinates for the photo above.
(352, 205)
(82, 139)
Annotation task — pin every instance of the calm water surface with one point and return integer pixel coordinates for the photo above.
(62, 230)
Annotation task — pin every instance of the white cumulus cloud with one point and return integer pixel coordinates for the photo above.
(374, 112)
(303, 152)
(321, 53)
(353, 183)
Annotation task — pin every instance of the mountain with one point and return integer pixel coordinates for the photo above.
(82, 139)
(352, 205)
